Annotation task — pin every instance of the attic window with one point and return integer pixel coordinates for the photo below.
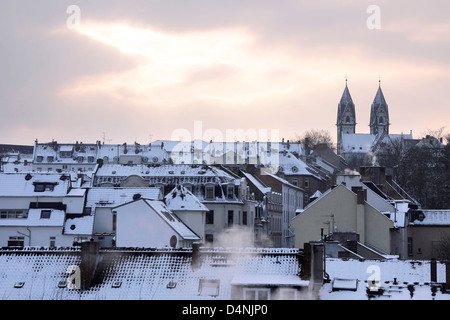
(43, 186)
(19, 284)
(230, 192)
(116, 284)
(209, 287)
(45, 214)
(209, 193)
(171, 285)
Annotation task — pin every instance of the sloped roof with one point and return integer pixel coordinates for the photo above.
(413, 279)
(161, 170)
(434, 218)
(294, 166)
(142, 274)
(79, 225)
(112, 197)
(181, 199)
(357, 142)
(21, 184)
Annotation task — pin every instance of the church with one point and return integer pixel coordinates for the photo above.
(360, 148)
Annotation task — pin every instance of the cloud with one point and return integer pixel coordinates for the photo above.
(156, 66)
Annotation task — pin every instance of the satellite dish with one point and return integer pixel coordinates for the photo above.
(173, 241)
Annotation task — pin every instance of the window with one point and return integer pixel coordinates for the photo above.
(45, 214)
(52, 241)
(295, 182)
(288, 294)
(306, 183)
(256, 293)
(210, 217)
(209, 192)
(114, 222)
(50, 158)
(410, 248)
(16, 241)
(209, 238)
(43, 186)
(13, 214)
(39, 158)
(230, 217)
(244, 218)
(230, 192)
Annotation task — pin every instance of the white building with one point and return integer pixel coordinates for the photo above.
(100, 203)
(150, 224)
(34, 208)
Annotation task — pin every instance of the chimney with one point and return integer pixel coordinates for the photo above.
(447, 275)
(361, 194)
(433, 270)
(195, 255)
(89, 259)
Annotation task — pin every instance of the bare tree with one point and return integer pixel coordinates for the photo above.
(313, 137)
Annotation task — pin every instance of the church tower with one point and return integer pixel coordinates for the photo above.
(379, 114)
(346, 117)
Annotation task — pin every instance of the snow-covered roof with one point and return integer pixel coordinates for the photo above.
(411, 276)
(172, 220)
(112, 197)
(143, 274)
(181, 199)
(433, 218)
(161, 170)
(23, 184)
(357, 142)
(257, 183)
(79, 225)
(37, 218)
(291, 165)
(269, 279)
(284, 181)
(50, 153)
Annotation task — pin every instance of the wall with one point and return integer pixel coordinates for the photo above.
(195, 220)
(40, 236)
(426, 240)
(138, 225)
(338, 211)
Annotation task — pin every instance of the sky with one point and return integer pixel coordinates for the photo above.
(138, 71)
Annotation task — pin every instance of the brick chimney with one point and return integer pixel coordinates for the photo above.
(89, 259)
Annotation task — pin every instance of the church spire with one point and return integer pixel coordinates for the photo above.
(346, 117)
(379, 113)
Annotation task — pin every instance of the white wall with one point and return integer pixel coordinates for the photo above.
(40, 236)
(138, 225)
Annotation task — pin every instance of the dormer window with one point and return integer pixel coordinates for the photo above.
(209, 192)
(44, 186)
(66, 152)
(39, 158)
(230, 192)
